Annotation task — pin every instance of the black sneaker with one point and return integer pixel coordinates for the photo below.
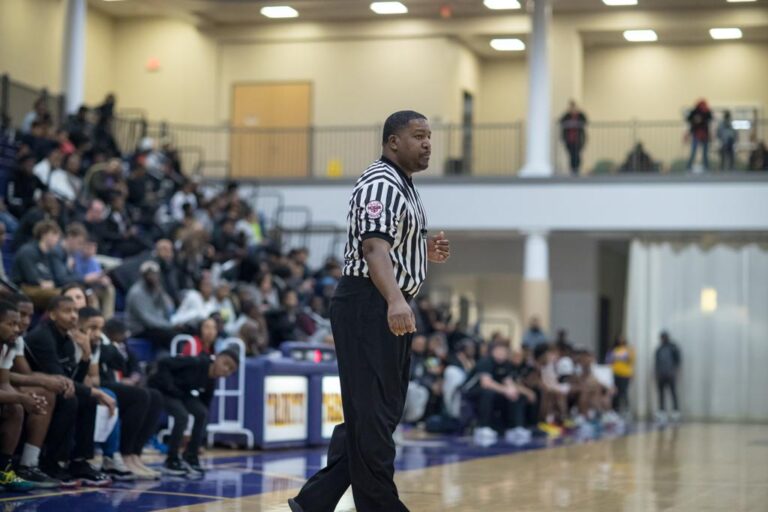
(295, 507)
(194, 464)
(63, 476)
(85, 473)
(37, 477)
(174, 467)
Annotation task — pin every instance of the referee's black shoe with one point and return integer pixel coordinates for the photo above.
(295, 507)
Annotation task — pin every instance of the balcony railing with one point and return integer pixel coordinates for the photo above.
(483, 150)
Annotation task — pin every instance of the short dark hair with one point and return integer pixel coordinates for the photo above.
(72, 286)
(57, 301)
(88, 312)
(44, 227)
(540, 350)
(231, 353)
(19, 298)
(114, 326)
(8, 307)
(398, 121)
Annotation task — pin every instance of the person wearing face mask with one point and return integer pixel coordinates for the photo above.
(535, 336)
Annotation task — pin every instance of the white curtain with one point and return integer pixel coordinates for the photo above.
(724, 372)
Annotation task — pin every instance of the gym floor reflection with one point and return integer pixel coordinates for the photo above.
(695, 467)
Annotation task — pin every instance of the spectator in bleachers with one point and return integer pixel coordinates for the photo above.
(104, 180)
(251, 327)
(38, 141)
(141, 187)
(96, 224)
(126, 239)
(726, 135)
(149, 308)
(48, 208)
(187, 384)
(758, 158)
(32, 265)
(13, 403)
(553, 406)
(251, 227)
(51, 350)
(698, 125)
(638, 160)
(225, 307)
(38, 113)
(204, 340)
(90, 324)
(229, 244)
(169, 272)
(492, 389)
(593, 400)
(52, 162)
(186, 195)
(417, 395)
(63, 255)
(65, 144)
(48, 386)
(79, 295)
(667, 365)
(522, 373)
(89, 271)
(265, 295)
(119, 368)
(66, 183)
(287, 323)
(24, 188)
(460, 363)
(574, 134)
(622, 360)
(535, 336)
(79, 127)
(197, 304)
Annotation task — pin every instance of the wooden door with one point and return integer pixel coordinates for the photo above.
(270, 130)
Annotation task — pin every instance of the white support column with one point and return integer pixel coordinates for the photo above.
(538, 155)
(536, 284)
(74, 55)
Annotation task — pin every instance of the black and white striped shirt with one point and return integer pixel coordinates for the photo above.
(385, 204)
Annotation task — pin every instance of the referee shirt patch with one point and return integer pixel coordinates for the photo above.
(374, 209)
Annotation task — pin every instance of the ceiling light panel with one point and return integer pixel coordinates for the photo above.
(279, 11)
(507, 45)
(389, 8)
(640, 36)
(725, 33)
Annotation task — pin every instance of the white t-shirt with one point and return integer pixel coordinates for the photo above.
(9, 354)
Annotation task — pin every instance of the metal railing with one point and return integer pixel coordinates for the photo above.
(17, 99)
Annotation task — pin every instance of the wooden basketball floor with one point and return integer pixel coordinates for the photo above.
(694, 467)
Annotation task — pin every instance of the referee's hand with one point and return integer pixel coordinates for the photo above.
(400, 318)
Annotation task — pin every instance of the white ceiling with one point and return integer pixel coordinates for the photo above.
(215, 12)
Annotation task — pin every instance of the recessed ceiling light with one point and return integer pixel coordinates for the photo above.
(388, 8)
(507, 45)
(640, 36)
(279, 11)
(499, 5)
(725, 33)
(616, 3)
(740, 1)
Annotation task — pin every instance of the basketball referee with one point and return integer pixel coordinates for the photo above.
(385, 264)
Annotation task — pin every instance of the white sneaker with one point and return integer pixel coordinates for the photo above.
(661, 418)
(485, 436)
(675, 416)
(115, 467)
(517, 436)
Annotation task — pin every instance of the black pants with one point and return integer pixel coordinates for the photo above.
(180, 411)
(621, 398)
(491, 404)
(574, 152)
(74, 419)
(140, 411)
(667, 383)
(373, 369)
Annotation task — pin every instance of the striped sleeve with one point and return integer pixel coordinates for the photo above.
(379, 206)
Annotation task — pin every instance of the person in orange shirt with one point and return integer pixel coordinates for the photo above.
(622, 360)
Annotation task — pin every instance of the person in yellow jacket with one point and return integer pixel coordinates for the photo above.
(622, 360)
